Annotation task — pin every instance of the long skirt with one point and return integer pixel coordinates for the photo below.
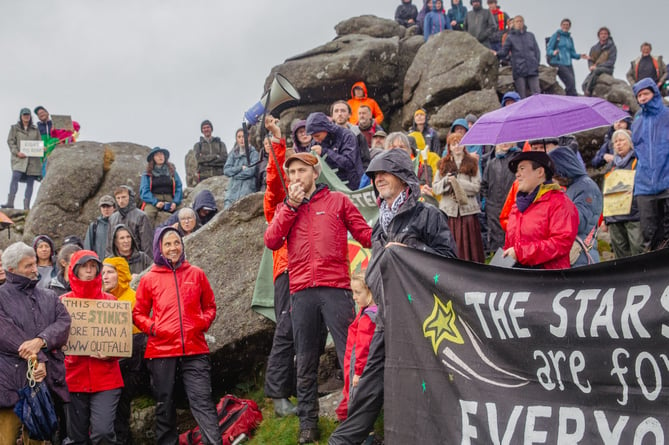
(466, 231)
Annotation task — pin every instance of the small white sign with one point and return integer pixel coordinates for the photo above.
(32, 148)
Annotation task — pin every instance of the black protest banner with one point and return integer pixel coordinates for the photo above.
(483, 355)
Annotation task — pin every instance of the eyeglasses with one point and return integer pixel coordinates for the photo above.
(187, 218)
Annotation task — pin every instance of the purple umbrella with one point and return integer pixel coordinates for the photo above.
(542, 116)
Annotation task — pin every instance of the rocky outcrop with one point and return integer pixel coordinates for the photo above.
(370, 25)
(477, 102)
(449, 65)
(616, 91)
(77, 176)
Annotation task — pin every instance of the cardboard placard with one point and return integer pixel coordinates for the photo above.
(99, 327)
(618, 192)
(32, 149)
(62, 122)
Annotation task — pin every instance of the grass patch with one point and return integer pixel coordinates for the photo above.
(284, 430)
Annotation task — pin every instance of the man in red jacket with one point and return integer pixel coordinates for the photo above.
(314, 222)
(543, 222)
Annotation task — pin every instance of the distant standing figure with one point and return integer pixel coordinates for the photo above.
(562, 51)
(457, 15)
(24, 169)
(435, 21)
(647, 66)
(98, 230)
(44, 123)
(210, 153)
(406, 13)
(161, 188)
(601, 60)
(501, 19)
(242, 177)
(46, 259)
(480, 23)
(525, 56)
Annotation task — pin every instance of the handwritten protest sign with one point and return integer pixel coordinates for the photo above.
(33, 149)
(618, 189)
(99, 326)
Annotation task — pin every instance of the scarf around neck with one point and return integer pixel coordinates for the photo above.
(387, 213)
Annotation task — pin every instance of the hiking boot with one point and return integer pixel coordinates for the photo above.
(9, 204)
(309, 435)
(283, 408)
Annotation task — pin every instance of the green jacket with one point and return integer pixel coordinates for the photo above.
(29, 166)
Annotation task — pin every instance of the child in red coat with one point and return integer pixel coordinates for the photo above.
(357, 343)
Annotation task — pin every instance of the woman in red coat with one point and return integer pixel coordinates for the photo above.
(175, 306)
(95, 380)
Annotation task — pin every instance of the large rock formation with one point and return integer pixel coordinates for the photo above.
(77, 176)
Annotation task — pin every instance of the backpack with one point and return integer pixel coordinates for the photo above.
(548, 55)
(235, 417)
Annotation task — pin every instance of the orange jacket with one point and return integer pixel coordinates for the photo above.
(355, 103)
(274, 195)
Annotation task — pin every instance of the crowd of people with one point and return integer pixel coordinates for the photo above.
(531, 202)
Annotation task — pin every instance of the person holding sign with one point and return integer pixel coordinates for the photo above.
(175, 306)
(623, 226)
(25, 167)
(94, 380)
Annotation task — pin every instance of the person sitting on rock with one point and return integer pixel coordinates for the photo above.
(242, 174)
(601, 60)
(457, 15)
(124, 245)
(160, 188)
(98, 230)
(134, 219)
(46, 259)
(435, 21)
(340, 146)
(421, 124)
(340, 112)
(359, 97)
(204, 205)
(480, 23)
(368, 126)
(406, 13)
(60, 284)
(210, 153)
(187, 223)
(24, 168)
(525, 57)
(647, 66)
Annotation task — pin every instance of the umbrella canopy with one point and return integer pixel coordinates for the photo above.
(542, 116)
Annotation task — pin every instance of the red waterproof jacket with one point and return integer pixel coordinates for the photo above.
(543, 235)
(84, 373)
(183, 306)
(358, 339)
(274, 195)
(317, 238)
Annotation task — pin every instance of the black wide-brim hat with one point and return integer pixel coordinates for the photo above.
(539, 157)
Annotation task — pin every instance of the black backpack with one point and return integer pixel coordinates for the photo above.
(549, 56)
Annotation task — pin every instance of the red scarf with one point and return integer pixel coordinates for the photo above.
(499, 15)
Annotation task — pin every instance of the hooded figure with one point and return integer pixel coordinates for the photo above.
(138, 261)
(242, 174)
(296, 142)
(339, 148)
(435, 21)
(416, 225)
(510, 96)
(406, 13)
(136, 220)
(354, 102)
(175, 307)
(585, 195)
(650, 137)
(46, 272)
(205, 208)
(457, 14)
(480, 23)
(95, 382)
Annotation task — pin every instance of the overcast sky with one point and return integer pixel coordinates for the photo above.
(150, 71)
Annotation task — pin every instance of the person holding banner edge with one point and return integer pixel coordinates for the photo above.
(24, 168)
(403, 221)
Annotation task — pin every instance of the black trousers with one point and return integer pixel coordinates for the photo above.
(92, 412)
(196, 376)
(566, 74)
(132, 370)
(654, 215)
(310, 308)
(367, 400)
(280, 374)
